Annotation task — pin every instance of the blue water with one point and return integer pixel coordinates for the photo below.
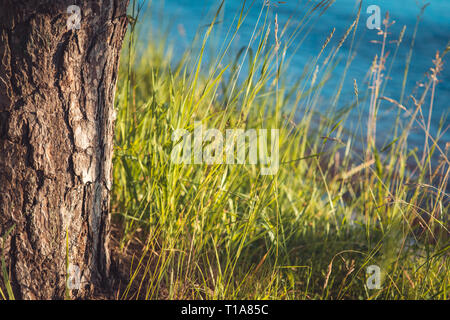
(185, 18)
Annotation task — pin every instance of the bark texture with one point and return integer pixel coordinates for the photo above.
(56, 141)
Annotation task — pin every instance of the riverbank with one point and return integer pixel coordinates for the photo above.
(310, 230)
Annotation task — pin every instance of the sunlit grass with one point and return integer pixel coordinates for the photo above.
(337, 204)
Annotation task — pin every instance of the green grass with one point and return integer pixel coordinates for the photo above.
(338, 203)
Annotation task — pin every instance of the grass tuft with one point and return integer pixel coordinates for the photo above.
(339, 203)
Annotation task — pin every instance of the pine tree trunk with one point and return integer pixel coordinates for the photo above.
(57, 116)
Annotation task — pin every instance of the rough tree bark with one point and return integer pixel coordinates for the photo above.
(56, 140)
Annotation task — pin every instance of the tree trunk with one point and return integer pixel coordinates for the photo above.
(57, 87)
